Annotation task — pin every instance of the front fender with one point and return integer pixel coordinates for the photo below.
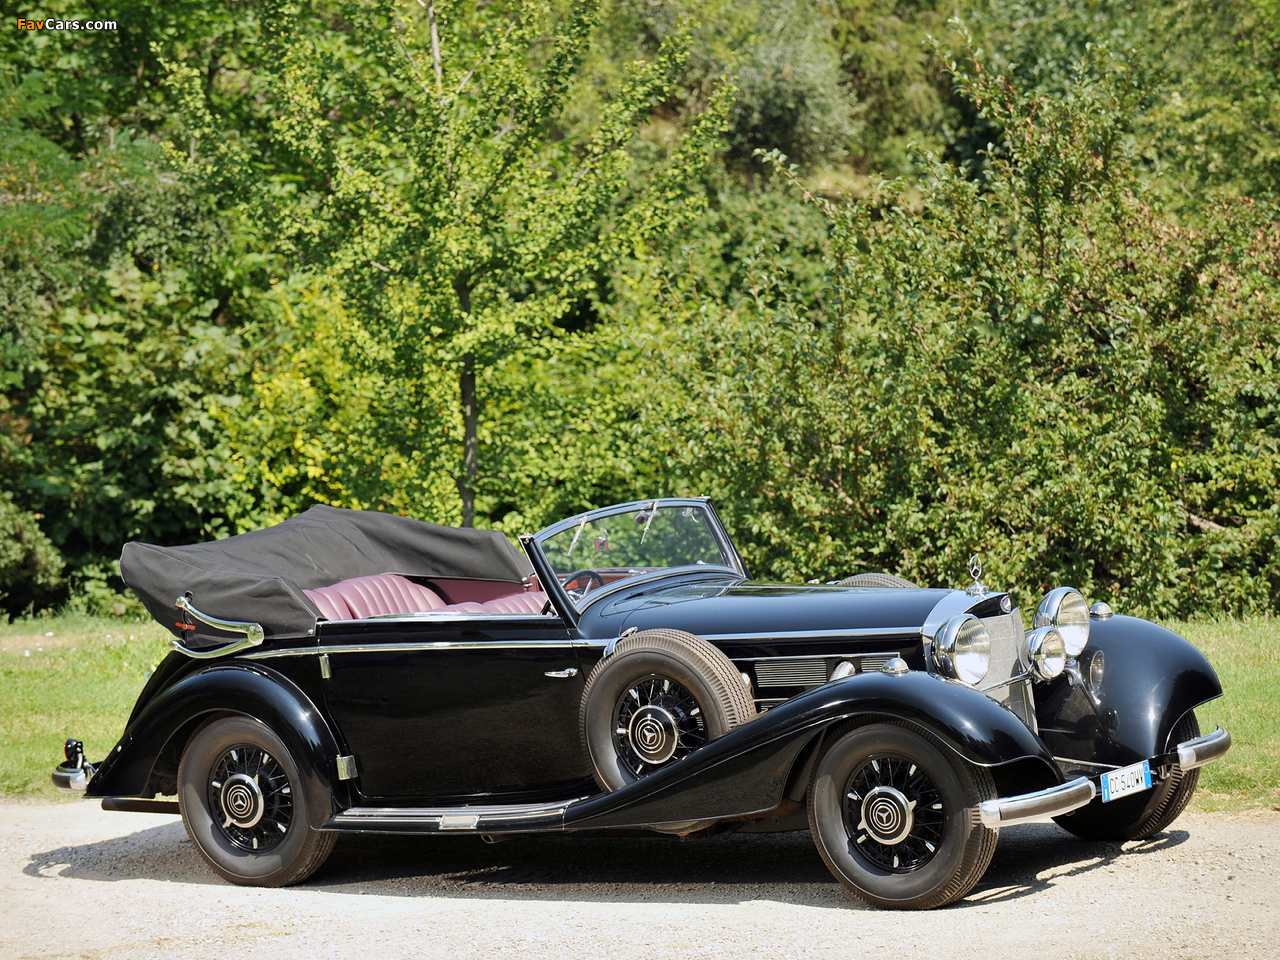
(235, 687)
(966, 720)
(1151, 678)
(747, 771)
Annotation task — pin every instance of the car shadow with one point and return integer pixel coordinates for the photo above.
(162, 852)
(782, 867)
(1036, 856)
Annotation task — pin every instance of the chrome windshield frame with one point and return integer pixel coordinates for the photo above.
(571, 611)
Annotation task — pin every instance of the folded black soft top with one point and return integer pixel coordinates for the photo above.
(260, 576)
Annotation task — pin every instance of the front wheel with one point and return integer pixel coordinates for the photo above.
(895, 817)
(244, 806)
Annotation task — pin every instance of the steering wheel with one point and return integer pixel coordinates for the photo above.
(587, 575)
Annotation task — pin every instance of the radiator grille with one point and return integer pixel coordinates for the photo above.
(1009, 659)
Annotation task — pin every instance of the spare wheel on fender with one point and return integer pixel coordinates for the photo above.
(656, 699)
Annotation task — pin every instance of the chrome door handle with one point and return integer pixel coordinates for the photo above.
(562, 674)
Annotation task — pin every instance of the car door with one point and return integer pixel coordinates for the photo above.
(448, 707)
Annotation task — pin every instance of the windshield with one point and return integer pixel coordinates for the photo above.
(603, 549)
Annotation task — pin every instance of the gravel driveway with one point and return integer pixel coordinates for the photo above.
(76, 881)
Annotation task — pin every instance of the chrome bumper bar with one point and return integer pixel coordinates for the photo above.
(1202, 750)
(1008, 811)
(71, 779)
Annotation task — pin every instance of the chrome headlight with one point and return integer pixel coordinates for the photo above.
(1048, 652)
(962, 649)
(1065, 610)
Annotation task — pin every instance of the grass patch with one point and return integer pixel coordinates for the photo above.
(1245, 656)
(70, 675)
(77, 675)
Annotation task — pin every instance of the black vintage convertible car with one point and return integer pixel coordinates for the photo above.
(352, 671)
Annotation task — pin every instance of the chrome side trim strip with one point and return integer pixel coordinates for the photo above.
(1202, 750)
(565, 644)
(448, 616)
(871, 654)
(912, 632)
(1026, 807)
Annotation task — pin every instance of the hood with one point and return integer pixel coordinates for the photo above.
(753, 609)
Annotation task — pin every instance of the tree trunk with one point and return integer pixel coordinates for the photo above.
(470, 439)
(470, 418)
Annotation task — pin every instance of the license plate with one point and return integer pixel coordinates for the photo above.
(1126, 780)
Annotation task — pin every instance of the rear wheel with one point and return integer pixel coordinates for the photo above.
(244, 805)
(895, 816)
(1144, 814)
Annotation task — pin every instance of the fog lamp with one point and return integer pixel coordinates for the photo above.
(1048, 652)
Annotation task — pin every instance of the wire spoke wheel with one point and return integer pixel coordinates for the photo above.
(253, 792)
(657, 721)
(660, 696)
(894, 814)
(246, 805)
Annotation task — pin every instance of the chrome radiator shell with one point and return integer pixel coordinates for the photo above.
(1009, 660)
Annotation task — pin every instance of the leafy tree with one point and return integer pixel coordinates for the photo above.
(1047, 369)
(437, 191)
(116, 338)
(889, 66)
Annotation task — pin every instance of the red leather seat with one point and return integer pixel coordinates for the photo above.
(531, 602)
(389, 593)
(373, 596)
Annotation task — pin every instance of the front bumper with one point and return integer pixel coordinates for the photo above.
(1055, 801)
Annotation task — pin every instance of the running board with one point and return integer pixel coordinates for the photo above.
(496, 818)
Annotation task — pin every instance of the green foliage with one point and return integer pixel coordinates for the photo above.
(30, 567)
(1212, 75)
(888, 65)
(543, 271)
(1046, 369)
(440, 197)
(116, 342)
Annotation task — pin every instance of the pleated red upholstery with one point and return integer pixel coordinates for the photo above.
(387, 593)
(330, 603)
(531, 602)
(374, 596)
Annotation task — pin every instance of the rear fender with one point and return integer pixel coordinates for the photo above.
(754, 767)
(160, 728)
(1151, 678)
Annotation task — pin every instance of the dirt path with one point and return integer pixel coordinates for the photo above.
(79, 882)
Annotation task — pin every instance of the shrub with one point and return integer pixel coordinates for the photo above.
(30, 567)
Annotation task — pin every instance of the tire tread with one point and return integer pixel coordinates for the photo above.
(979, 848)
(709, 661)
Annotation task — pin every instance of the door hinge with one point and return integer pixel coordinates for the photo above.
(324, 666)
(346, 768)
